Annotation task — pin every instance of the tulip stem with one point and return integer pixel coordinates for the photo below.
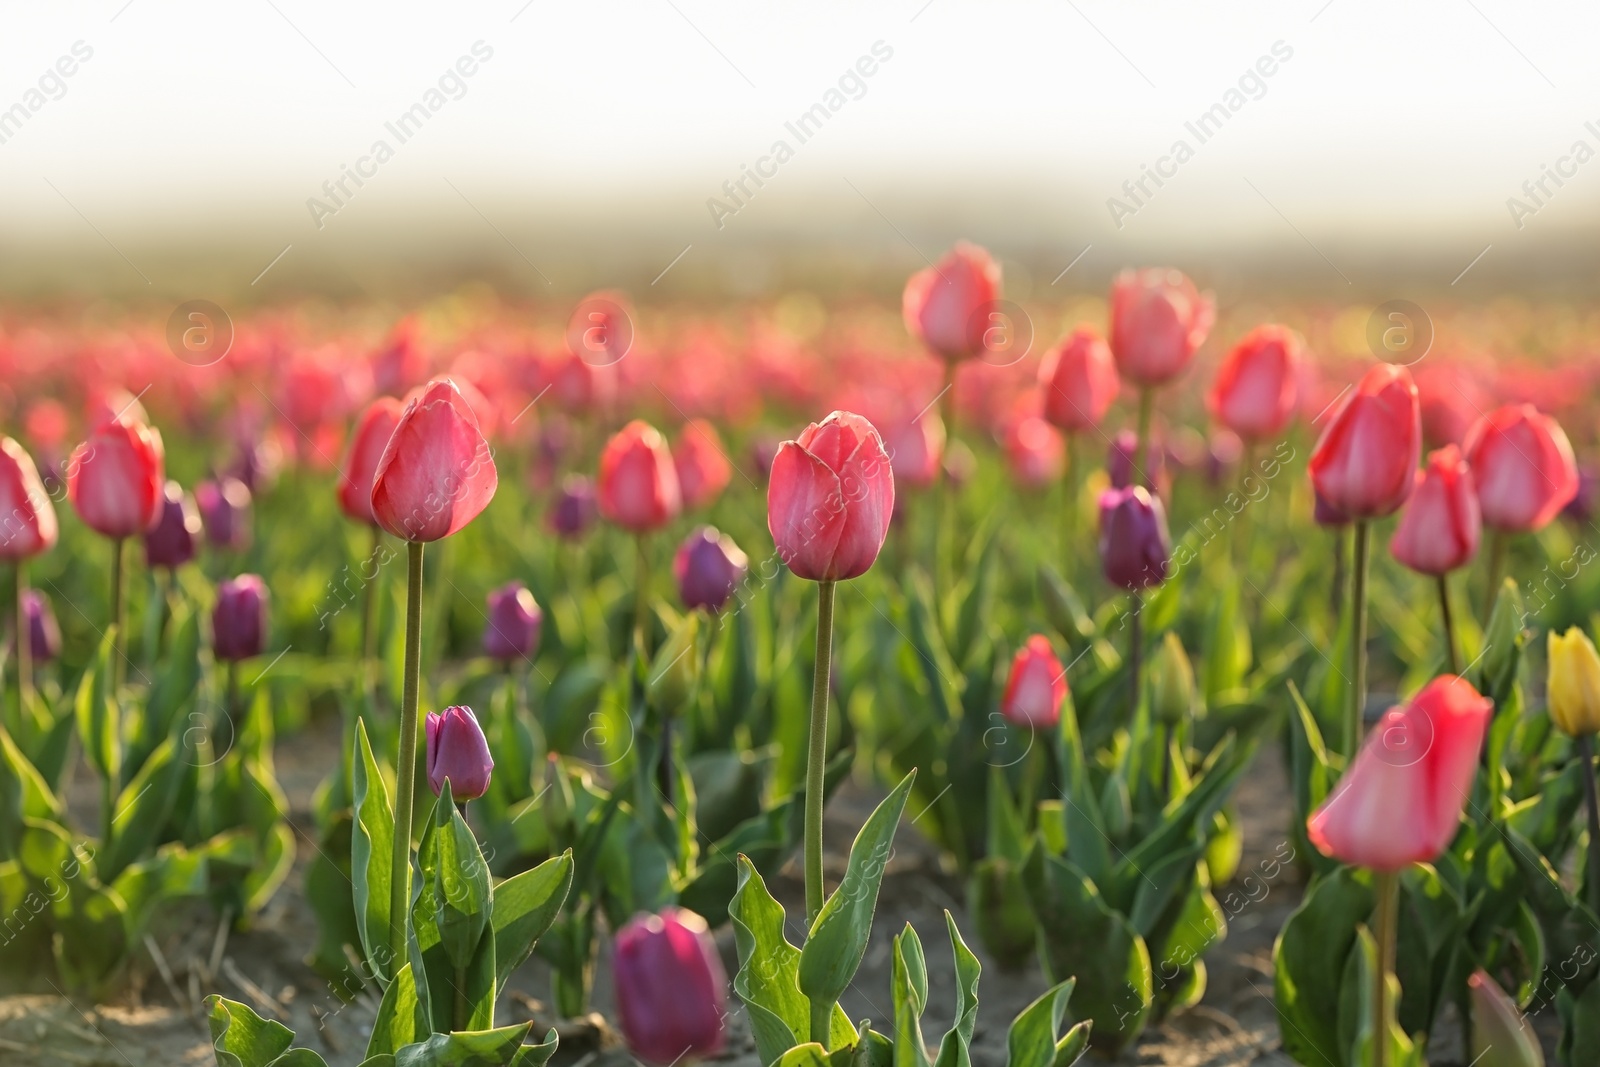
(24, 645)
(1450, 657)
(117, 673)
(641, 600)
(1386, 885)
(817, 757)
(369, 600)
(1358, 639)
(232, 709)
(942, 521)
(405, 771)
(1586, 754)
(1341, 535)
(1070, 526)
(1497, 568)
(1135, 653)
(1147, 398)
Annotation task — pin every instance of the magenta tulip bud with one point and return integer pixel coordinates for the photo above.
(225, 513)
(708, 566)
(514, 620)
(170, 542)
(671, 989)
(576, 509)
(458, 752)
(44, 636)
(239, 621)
(1134, 546)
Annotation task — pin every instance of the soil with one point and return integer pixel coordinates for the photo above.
(156, 1020)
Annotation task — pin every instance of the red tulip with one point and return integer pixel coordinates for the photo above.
(27, 518)
(115, 479)
(829, 498)
(915, 449)
(671, 988)
(1079, 381)
(1034, 451)
(638, 483)
(361, 461)
(436, 473)
(1158, 319)
(946, 306)
(701, 464)
(1523, 466)
(1036, 688)
(1450, 402)
(1255, 389)
(1365, 463)
(1400, 802)
(1439, 528)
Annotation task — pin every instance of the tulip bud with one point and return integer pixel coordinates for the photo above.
(27, 518)
(830, 497)
(436, 473)
(671, 990)
(170, 542)
(945, 305)
(1134, 546)
(701, 464)
(44, 636)
(1501, 1037)
(1365, 462)
(709, 567)
(1257, 384)
(115, 479)
(1036, 687)
(514, 621)
(1079, 381)
(638, 485)
(367, 446)
(1440, 527)
(1573, 683)
(225, 513)
(1172, 682)
(1158, 319)
(239, 620)
(458, 751)
(1523, 466)
(575, 509)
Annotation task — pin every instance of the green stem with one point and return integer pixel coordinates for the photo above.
(1147, 398)
(406, 766)
(1358, 641)
(1069, 528)
(641, 595)
(821, 1020)
(1450, 656)
(1386, 884)
(1341, 537)
(1135, 653)
(1166, 760)
(106, 813)
(1498, 543)
(233, 696)
(463, 1017)
(117, 672)
(817, 757)
(1586, 754)
(369, 599)
(24, 646)
(944, 496)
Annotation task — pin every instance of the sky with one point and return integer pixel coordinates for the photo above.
(1335, 122)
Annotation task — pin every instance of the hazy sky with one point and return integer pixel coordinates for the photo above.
(1377, 117)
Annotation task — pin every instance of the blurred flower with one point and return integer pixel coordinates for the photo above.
(436, 473)
(1581, 507)
(638, 486)
(701, 464)
(1366, 460)
(1158, 319)
(1036, 686)
(514, 621)
(959, 464)
(399, 364)
(1119, 459)
(1255, 388)
(575, 508)
(1449, 401)
(44, 636)
(27, 518)
(830, 497)
(1523, 466)
(171, 541)
(458, 751)
(763, 450)
(1573, 678)
(1172, 682)
(915, 449)
(1034, 451)
(1440, 527)
(1134, 546)
(224, 513)
(709, 567)
(1078, 380)
(1400, 801)
(671, 990)
(945, 305)
(1223, 452)
(361, 460)
(115, 479)
(1500, 1035)
(1325, 514)
(239, 620)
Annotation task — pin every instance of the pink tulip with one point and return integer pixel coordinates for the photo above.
(916, 449)
(1255, 388)
(436, 473)
(701, 464)
(1034, 451)
(946, 306)
(1440, 527)
(27, 518)
(1400, 802)
(671, 989)
(1036, 688)
(457, 751)
(1365, 463)
(638, 486)
(361, 461)
(1523, 466)
(1079, 381)
(115, 479)
(1158, 319)
(829, 498)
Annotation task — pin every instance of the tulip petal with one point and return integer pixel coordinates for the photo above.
(805, 511)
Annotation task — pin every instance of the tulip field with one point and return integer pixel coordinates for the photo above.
(1160, 675)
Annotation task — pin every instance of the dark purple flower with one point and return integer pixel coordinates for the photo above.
(671, 989)
(513, 628)
(1119, 460)
(170, 542)
(576, 509)
(44, 636)
(225, 510)
(708, 566)
(458, 751)
(239, 621)
(1326, 514)
(1134, 547)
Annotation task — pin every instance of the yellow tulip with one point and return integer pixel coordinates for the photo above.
(1574, 683)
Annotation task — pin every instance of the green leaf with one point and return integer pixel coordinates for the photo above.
(955, 1050)
(767, 980)
(524, 908)
(173, 688)
(460, 883)
(537, 1055)
(241, 1038)
(23, 794)
(910, 984)
(371, 853)
(170, 875)
(143, 808)
(810, 1054)
(97, 713)
(1031, 1041)
(1309, 963)
(399, 1015)
(838, 938)
(1402, 1052)
(482, 1048)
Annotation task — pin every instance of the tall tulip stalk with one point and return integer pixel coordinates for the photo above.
(436, 475)
(1439, 531)
(1078, 382)
(1158, 320)
(1135, 551)
(29, 528)
(355, 500)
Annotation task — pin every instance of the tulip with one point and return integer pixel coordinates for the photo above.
(367, 446)
(702, 466)
(1034, 451)
(457, 752)
(1573, 687)
(671, 990)
(170, 542)
(1120, 460)
(114, 479)
(916, 449)
(1501, 1037)
(225, 513)
(946, 305)
(514, 622)
(1255, 388)
(709, 567)
(1524, 468)
(575, 508)
(1134, 545)
(1079, 381)
(44, 636)
(1439, 528)
(1172, 686)
(29, 524)
(239, 619)
(1158, 319)
(436, 473)
(1581, 507)
(1036, 687)
(638, 487)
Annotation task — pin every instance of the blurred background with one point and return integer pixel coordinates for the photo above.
(153, 151)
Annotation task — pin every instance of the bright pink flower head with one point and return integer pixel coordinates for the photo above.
(671, 989)
(361, 461)
(829, 498)
(1440, 527)
(458, 751)
(115, 478)
(27, 518)
(1400, 802)
(1078, 379)
(436, 473)
(1036, 688)
(1158, 319)
(1523, 465)
(1256, 386)
(1365, 463)
(701, 463)
(1035, 451)
(638, 485)
(946, 305)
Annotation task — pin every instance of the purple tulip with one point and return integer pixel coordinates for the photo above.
(1119, 461)
(1326, 514)
(1581, 507)
(708, 566)
(1134, 547)
(575, 509)
(44, 636)
(170, 542)
(514, 619)
(225, 510)
(671, 988)
(239, 621)
(458, 751)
